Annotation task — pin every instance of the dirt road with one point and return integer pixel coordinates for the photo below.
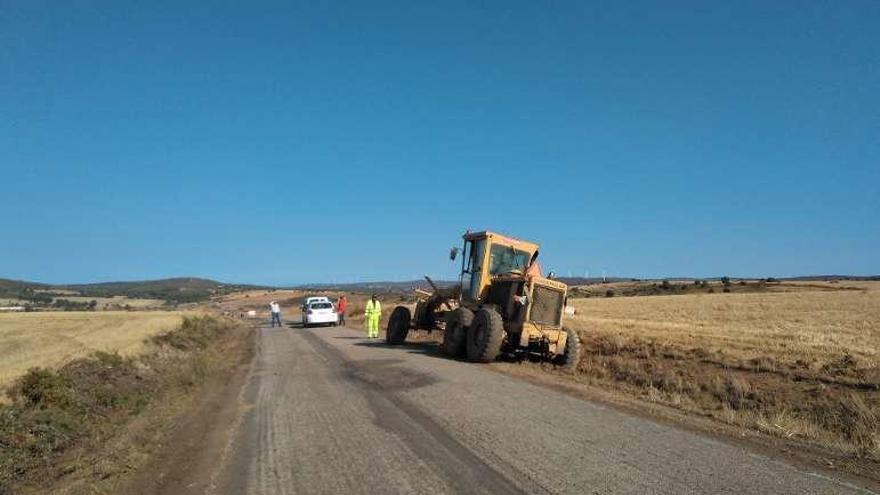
(326, 411)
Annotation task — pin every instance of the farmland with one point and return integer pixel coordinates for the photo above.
(51, 339)
(799, 363)
(792, 364)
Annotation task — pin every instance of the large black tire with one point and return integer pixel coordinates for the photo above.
(455, 336)
(485, 336)
(398, 326)
(569, 361)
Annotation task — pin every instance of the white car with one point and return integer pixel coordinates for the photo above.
(319, 313)
(310, 299)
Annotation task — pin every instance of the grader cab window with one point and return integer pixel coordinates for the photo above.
(505, 259)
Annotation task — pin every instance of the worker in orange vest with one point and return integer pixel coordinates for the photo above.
(341, 304)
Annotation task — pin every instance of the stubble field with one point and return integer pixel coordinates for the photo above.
(51, 339)
(802, 363)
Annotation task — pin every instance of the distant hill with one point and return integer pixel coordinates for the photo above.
(592, 280)
(573, 281)
(382, 286)
(409, 285)
(193, 289)
(175, 290)
(171, 290)
(7, 285)
(831, 278)
(20, 289)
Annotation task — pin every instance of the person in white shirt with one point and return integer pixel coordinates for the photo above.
(276, 313)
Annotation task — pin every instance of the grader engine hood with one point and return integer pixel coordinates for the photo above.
(547, 301)
(543, 325)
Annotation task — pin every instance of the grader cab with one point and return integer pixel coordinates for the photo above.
(500, 305)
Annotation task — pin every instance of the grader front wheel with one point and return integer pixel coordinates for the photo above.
(398, 326)
(572, 356)
(485, 336)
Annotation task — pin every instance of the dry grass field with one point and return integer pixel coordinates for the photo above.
(815, 327)
(52, 339)
(801, 363)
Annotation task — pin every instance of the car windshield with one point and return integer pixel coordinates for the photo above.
(321, 305)
(505, 259)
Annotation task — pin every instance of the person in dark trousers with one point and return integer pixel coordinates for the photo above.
(341, 304)
(276, 313)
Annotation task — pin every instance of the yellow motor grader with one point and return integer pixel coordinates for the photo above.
(500, 305)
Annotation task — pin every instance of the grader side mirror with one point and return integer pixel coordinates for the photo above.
(453, 253)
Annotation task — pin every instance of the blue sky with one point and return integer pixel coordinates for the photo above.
(322, 141)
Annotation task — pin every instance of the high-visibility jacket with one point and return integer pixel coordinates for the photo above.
(373, 308)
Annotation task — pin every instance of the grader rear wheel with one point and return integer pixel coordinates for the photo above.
(485, 336)
(455, 335)
(398, 326)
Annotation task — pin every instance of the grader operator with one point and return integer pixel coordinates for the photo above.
(501, 304)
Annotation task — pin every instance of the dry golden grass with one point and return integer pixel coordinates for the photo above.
(802, 363)
(788, 326)
(53, 338)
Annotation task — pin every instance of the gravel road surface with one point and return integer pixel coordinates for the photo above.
(328, 411)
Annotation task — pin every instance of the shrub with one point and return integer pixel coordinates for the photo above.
(854, 419)
(195, 333)
(733, 392)
(52, 410)
(609, 293)
(41, 388)
(87, 400)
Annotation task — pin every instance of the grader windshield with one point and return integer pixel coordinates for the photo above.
(506, 259)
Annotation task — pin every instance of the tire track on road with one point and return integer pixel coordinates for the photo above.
(378, 381)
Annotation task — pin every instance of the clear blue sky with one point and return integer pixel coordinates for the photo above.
(317, 141)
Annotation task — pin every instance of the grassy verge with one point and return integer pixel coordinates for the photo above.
(58, 420)
(835, 408)
(799, 366)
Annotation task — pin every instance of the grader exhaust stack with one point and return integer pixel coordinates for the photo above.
(501, 304)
